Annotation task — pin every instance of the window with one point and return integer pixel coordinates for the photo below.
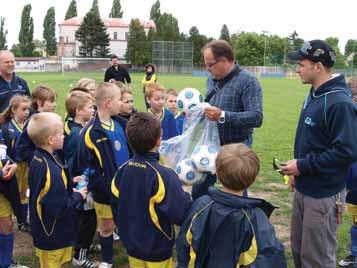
(126, 36)
(66, 39)
(115, 36)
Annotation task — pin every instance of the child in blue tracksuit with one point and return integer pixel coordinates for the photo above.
(12, 121)
(103, 148)
(147, 198)
(225, 229)
(155, 96)
(79, 106)
(171, 104)
(52, 197)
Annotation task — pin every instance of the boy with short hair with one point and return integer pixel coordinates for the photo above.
(79, 106)
(155, 97)
(103, 148)
(147, 198)
(43, 99)
(52, 199)
(171, 104)
(225, 229)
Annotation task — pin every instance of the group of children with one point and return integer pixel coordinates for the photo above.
(106, 141)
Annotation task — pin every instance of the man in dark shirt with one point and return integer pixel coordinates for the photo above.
(10, 84)
(116, 72)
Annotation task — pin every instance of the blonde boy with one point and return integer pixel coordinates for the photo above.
(103, 148)
(52, 199)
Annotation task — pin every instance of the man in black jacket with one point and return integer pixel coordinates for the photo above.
(117, 72)
(325, 147)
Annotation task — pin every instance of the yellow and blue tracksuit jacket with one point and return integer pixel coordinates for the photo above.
(24, 147)
(96, 152)
(52, 203)
(179, 119)
(226, 231)
(168, 124)
(10, 189)
(147, 200)
(11, 132)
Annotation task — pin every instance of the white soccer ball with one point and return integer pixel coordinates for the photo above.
(204, 157)
(188, 98)
(187, 172)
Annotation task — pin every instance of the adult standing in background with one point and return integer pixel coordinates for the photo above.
(117, 72)
(236, 101)
(149, 77)
(325, 147)
(10, 83)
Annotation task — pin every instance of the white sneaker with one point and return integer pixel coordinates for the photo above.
(15, 265)
(105, 265)
(84, 263)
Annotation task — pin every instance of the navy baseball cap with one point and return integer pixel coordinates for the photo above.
(316, 51)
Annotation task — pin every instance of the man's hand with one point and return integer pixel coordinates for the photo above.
(213, 113)
(8, 170)
(290, 168)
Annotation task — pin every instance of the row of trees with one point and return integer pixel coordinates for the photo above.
(250, 48)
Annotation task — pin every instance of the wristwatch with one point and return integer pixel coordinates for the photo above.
(222, 118)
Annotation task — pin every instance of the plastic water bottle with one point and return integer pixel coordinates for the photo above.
(85, 178)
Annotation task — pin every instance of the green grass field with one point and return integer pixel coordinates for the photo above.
(282, 104)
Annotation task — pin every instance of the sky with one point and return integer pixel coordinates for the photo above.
(312, 19)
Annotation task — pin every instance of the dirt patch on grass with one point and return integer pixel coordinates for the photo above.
(23, 245)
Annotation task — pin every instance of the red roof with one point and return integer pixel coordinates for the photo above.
(109, 22)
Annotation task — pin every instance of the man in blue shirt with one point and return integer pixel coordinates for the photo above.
(10, 84)
(235, 97)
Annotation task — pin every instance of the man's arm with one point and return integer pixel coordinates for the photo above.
(107, 75)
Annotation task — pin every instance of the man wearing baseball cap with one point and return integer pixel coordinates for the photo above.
(325, 147)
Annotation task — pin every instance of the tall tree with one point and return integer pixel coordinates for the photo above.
(95, 7)
(116, 11)
(93, 36)
(225, 33)
(249, 49)
(167, 28)
(72, 10)
(49, 32)
(350, 51)
(340, 59)
(26, 44)
(198, 41)
(3, 34)
(137, 52)
(155, 12)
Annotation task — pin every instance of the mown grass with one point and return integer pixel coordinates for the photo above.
(282, 103)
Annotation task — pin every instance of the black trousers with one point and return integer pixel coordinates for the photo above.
(86, 228)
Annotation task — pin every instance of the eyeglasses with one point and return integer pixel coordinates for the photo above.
(210, 65)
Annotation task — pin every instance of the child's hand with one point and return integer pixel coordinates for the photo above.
(77, 179)
(83, 192)
(8, 170)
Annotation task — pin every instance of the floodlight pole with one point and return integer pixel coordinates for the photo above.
(265, 45)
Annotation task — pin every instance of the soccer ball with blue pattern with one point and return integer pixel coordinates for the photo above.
(187, 172)
(204, 158)
(188, 98)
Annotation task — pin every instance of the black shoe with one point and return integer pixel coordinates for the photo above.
(24, 227)
(349, 262)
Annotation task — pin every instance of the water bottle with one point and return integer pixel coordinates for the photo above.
(85, 178)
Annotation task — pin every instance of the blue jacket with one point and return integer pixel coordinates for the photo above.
(326, 140)
(7, 90)
(179, 118)
(147, 201)
(11, 132)
(24, 147)
(96, 152)
(52, 203)
(70, 146)
(168, 124)
(226, 231)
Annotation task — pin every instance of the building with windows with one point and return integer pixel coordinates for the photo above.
(117, 29)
